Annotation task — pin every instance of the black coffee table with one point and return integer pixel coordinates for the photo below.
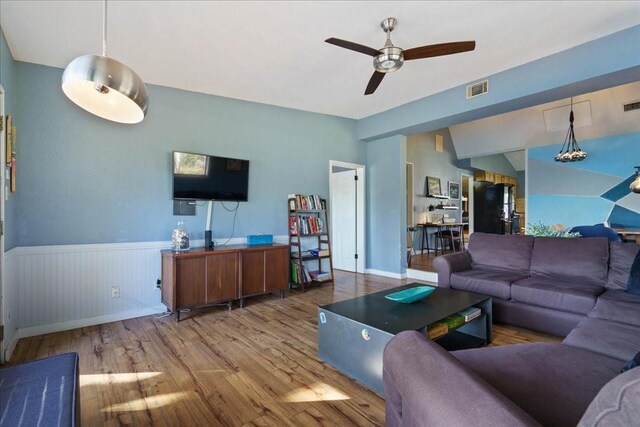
(352, 334)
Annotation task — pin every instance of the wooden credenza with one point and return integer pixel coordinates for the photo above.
(202, 277)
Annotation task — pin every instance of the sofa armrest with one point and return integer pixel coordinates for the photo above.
(450, 263)
(426, 386)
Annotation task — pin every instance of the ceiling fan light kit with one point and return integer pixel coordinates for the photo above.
(390, 58)
(106, 87)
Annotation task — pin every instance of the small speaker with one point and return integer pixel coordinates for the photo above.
(208, 243)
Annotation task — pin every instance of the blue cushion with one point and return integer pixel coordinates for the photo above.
(597, 231)
(633, 363)
(633, 286)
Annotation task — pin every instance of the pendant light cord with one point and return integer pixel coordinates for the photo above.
(104, 28)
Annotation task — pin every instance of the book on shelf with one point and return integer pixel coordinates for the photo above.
(318, 275)
(293, 225)
(308, 224)
(437, 330)
(306, 203)
(470, 313)
(292, 202)
(308, 253)
(299, 274)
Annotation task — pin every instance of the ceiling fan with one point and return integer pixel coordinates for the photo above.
(390, 58)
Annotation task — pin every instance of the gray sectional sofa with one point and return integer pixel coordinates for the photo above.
(572, 287)
(547, 284)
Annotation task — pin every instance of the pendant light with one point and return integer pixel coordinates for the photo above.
(573, 152)
(635, 184)
(104, 86)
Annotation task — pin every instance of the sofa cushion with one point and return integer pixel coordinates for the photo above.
(583, 260)
(619, 306)
(509, 252)
(612, 339)
(633, 286)
(549, 381)
(616, 404)
(621, 256)
(488, 282)
(564, 296)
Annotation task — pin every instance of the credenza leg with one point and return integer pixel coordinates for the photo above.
(230, 304)
(241, 302)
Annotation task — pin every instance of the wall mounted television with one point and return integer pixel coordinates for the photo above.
(204, 177)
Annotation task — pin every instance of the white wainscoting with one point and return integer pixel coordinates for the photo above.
(56, 288)
(10, 296)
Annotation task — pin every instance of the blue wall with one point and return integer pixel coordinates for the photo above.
(83, 179)
(386, 204)
(588, 192)
(427, 161)
(7, 80)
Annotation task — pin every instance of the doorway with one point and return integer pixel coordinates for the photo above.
(467, 205)
(347, 210)
(2, 196)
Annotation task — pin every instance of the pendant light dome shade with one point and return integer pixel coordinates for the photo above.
(107, 88)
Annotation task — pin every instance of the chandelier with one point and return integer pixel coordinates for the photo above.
(572, 153)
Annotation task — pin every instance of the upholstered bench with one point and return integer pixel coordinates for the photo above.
(42, 392)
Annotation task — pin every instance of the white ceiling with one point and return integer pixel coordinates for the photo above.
(525, 128)
(273, 52)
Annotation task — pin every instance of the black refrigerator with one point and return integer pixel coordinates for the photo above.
(493, 206)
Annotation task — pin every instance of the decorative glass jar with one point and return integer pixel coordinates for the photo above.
(180, 238)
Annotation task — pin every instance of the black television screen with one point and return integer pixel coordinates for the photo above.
(203, 177)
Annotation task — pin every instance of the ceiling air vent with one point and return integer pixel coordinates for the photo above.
(477, 89)
(635, 105)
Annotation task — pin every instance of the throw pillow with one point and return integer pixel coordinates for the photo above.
(633, 363)
(633, 287)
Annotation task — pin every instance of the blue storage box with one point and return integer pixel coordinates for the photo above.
(260, 239)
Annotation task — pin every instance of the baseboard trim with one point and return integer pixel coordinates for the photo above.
(81, 323)
(385, 273)
(13, 342)
(427, 276)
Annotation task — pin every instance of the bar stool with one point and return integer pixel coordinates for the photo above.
(453, 234)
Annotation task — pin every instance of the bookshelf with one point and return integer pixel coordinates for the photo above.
(309, 240)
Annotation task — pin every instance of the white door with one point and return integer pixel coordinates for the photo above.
(2, 196)
(347, 218)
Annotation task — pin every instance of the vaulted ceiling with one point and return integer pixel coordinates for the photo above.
(273, 52)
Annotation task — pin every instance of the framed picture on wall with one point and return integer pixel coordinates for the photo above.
(454, 190)
(433, 186)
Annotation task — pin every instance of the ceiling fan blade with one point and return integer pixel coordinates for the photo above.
(438, 50)
(353, 46)
(374, 82)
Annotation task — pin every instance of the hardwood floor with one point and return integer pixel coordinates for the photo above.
(423, 262)
(256, 366)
